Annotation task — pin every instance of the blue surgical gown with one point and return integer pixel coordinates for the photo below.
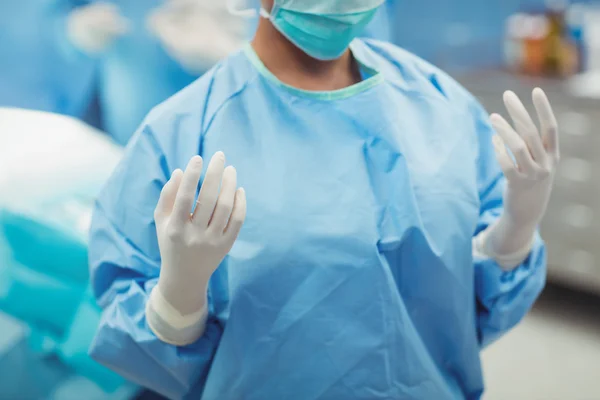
(135, 74)
(34, 72)
(354, 275)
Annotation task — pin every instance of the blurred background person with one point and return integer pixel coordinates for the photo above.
(147, 51)
(34, 73)
(381, 26)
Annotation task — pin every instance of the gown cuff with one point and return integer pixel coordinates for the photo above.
(169, 325)
(507, 262)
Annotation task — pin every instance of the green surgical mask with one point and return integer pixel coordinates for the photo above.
(324, 37)
(323, 29)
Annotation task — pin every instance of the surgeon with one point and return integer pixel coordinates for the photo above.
(147, 51)
(361, 230)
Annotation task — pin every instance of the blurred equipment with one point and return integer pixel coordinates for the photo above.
(34, 375)
(51, 169)
(548, 43)
(46, 157)
(592, 37)
(577, 31)
(25, 374)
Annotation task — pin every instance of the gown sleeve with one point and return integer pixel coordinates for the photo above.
(503, 297)
(125, 264)
(58, 12)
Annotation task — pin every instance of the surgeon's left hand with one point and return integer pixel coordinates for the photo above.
(530, 176)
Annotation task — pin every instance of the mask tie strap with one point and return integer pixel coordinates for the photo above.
(264, 13)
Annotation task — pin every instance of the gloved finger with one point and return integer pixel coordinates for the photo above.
(108, 19)
(224, 206)
(168, 194)
(209, 191)
(547, 122)
(187, 190)
(515, 144)
(238, 216)
(525, 126)
(506, 163)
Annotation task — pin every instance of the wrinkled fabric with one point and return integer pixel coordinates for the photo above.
(353, 277)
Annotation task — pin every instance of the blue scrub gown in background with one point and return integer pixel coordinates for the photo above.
(34, 72)
(353, 276)
(135, 74)
(380, 28)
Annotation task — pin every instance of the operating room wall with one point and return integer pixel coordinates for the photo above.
(464, 34)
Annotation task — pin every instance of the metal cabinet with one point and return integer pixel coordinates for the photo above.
(571, 227)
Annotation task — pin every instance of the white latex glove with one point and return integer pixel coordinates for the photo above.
(196, 33)
(95, 27)
(192, 246)
(530, 177)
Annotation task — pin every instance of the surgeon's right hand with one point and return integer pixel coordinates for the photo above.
(95, 27)
(192, 246)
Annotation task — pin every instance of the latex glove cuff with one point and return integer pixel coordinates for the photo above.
(508, 262)
(169, 325)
